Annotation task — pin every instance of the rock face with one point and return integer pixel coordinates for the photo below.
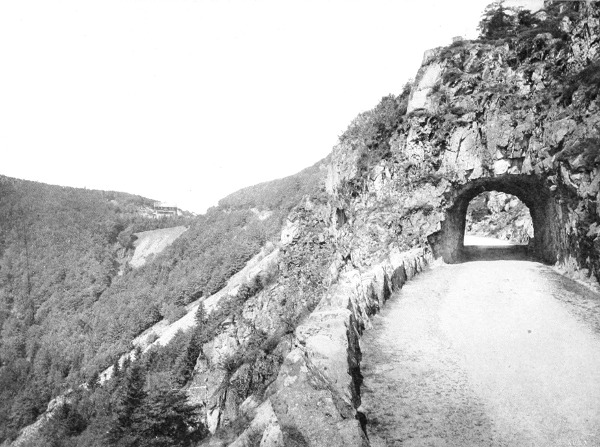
(499, 215)
(518, 116)
(152, 243)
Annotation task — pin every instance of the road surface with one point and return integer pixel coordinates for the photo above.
(485, 353)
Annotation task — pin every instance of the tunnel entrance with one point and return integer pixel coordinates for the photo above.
(498, 226)
(449, 242)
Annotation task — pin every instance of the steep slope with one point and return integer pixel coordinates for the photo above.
(279, 195)
(59, 251)
(72, 334)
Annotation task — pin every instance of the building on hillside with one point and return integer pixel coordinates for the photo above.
(163, 209)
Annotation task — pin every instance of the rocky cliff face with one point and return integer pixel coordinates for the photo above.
(517, 115)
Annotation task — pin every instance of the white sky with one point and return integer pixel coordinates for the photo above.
(187, 101)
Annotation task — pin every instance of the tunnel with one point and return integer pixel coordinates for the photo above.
(448, 242)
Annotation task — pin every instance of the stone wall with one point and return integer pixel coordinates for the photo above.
(315, 399)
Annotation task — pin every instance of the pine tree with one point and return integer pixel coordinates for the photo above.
(496, 21)
(186, 360)
(116, 373)
(65, 422)
(200, 315)
(130, 396)
(167, 419)
(201, 324)
(94, 380)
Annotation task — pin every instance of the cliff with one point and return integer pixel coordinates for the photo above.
(517, 114)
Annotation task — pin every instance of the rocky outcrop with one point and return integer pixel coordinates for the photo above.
(518, 116)
(148, 243)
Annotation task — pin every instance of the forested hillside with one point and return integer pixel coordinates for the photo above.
(66, 313)
(279, 195)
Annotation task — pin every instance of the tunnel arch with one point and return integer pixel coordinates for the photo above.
(448, 243)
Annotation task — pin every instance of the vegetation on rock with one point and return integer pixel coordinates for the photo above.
(371, 131)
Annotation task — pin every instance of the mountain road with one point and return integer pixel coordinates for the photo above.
(494, 352)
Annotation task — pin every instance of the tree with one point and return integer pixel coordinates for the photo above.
(65, 422)
(29, 404)
(526, 19)
(116, 372)
(94, 380)
(496, 21)
(186, 360)
(200, 315)
(130, 396)
(166, 418)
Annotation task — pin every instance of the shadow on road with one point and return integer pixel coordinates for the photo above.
(471, 253)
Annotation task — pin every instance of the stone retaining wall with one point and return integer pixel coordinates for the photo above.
(316, 397)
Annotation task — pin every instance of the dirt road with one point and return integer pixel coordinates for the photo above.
(485, 353)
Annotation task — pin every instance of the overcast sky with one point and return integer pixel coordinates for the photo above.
(187, 101)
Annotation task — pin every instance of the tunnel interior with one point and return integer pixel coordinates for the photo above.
(448, 243)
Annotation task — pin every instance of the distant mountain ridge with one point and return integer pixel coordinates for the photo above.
(281, 193)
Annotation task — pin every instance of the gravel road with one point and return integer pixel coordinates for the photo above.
(485, 353)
